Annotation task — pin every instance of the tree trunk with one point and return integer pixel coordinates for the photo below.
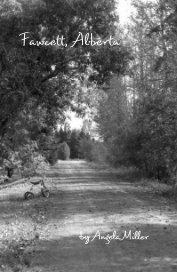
(10, 172)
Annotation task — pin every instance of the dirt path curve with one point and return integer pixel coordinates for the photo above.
(89, 203)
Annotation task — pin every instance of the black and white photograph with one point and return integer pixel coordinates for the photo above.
(88, 135)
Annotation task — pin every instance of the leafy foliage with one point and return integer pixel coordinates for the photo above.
(114, 121)
(63, 151)
(138, 119)
(38, 83)
(92, 150)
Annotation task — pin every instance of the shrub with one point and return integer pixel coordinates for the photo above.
(63, 151)
(74, 144)
(85, 149)
(99, 152)
(52, 157)
(93, 150)
(35, 165)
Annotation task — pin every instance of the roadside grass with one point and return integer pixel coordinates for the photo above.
(133, 175)
(16, 255)
(20, 222)
(165, 190)
(121, 170)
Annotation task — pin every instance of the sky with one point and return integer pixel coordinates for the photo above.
(124, 13)
(124, 10)
(74, 121)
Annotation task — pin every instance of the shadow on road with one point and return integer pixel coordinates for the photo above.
(86, 200)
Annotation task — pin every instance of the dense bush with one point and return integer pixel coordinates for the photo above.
(72, 138)
(53, 157)
(31, 161)
(27, 161)
(114, 122)
(63, 151)
(153, 145)
(99, 152)
(93, 150)
(85, 149)
(73, 142)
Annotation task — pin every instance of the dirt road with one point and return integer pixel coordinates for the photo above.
(94, 221)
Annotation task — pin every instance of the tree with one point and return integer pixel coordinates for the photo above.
(151, 142)
(143, 132)
(43, 78)
(63, 151)
(34, 72)
(114, 120)
(74, 144)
